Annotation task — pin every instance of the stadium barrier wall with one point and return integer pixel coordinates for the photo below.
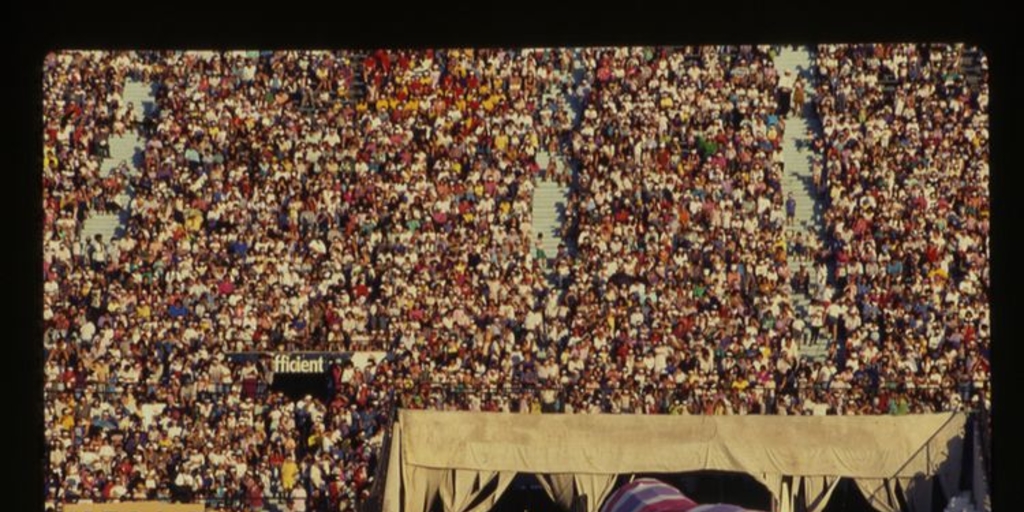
(135, 506)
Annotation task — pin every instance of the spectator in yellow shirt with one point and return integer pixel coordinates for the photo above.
(289, 469)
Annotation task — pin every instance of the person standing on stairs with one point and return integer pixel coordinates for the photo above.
(790, 209)
(785, 90)
(816, 165)
(816, 315)
(128, 118)
(297, 499)
(102, 145)
(799, 247)
(798, 97)
(98, 253)
(802, 281)
(821, 280)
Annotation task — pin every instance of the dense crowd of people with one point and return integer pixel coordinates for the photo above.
(302, 200)
(905, 158)
(679, 281)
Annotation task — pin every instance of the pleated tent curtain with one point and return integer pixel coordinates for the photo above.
(460, 486)
(559, 487)
(582, 454)
(879, 493)
(786, 493)
(504, 480)
(794, 492)
(818, 490)
(461, 489)
(794, 495)
(422, 486)
(393, 485)
(595, 487)
(773, 481)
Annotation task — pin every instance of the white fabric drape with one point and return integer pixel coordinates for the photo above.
(595, 487)
(393, 485)
(773, 482)
(559, 487)
(421, 487)
(877, 452)
(460, 488)
(852, 446)
(504, 480)
(783, 498)
(818, 490)
(787, 494)
(879, 493)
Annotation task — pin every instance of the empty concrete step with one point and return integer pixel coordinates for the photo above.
(123, 147)
(276, 505)
(140, 95)
(102, 223)
(126, 149)
(123, 200)
(543, 160)
(548, 204)
(815, 352)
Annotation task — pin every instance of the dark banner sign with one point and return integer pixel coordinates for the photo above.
(299, 374)
(309, 362)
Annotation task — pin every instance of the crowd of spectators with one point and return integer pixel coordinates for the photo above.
(678, 284)
(905, 153)
(342, 201)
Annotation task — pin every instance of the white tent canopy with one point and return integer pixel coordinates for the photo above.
(457, 456)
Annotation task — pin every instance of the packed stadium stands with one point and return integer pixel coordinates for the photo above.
(350, 201)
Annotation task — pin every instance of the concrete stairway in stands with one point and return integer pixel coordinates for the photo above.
(549, 197)
(140, 95)
(357, 90)
(797, 178)
(105, 224)
(276, 504)
(549, 200)
(972, 67)
(127, 150)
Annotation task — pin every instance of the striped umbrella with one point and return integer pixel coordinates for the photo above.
(648, 495)
(720, 507)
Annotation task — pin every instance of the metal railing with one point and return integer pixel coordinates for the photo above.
(447, 390)
(984, 428)
(274, 502)
(374, 502)
(553, 398)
